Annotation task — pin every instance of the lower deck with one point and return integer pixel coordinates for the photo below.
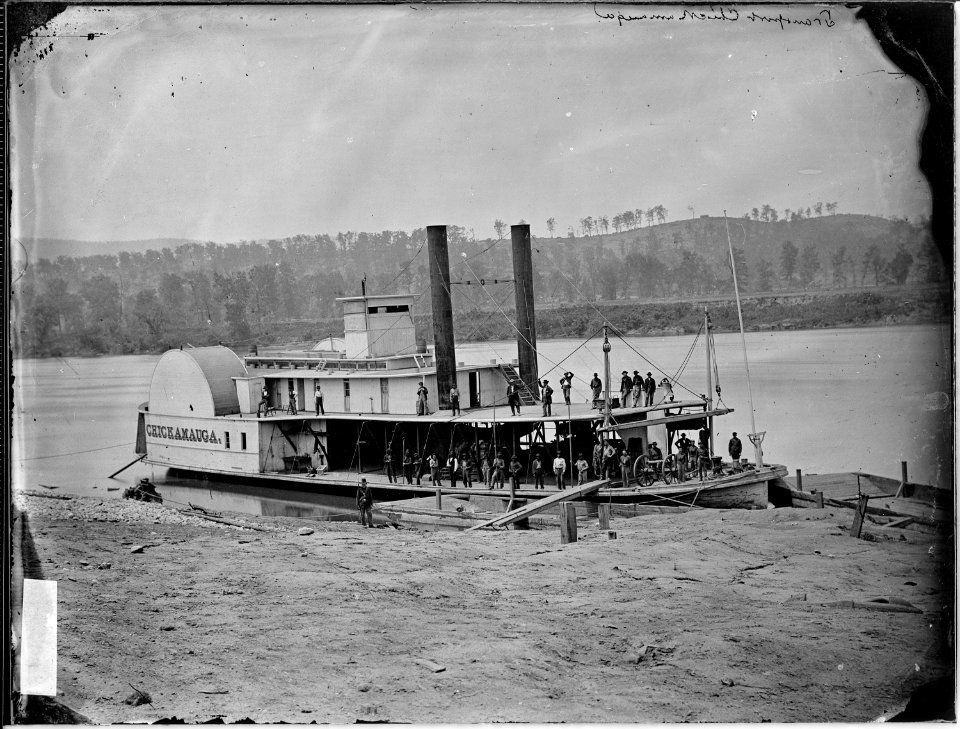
(747, 489)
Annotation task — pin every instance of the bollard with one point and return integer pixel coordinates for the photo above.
(799, 480)
(568, 523)
(603, 513)
(857, 526)
(819, 495)
(439, 499)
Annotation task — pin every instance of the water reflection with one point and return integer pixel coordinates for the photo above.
(246, 498)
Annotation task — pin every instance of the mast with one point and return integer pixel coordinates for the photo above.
(758, 453)
(706, 325)
(606, 377)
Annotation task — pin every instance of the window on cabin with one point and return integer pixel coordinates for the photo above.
(226, 439)
(243, 441)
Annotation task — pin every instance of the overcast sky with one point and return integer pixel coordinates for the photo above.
(228, 123)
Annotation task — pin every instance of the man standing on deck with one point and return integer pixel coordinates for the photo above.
(637, 394)
(596, 386)
(626, 386)
(466, 469)
(291, 401)
(486, 467)
(454, 401)
(365, 504)
(582, 468)
(735, 448)
(703, 460)
(537, 465)
(566, 382)
(264, 401)
(625, 468)
(515, 472)
(703, 436)
(433, 463)
(546, 397)
(559, 468)
(388, 466)
(318, 398)
(498, 467)
(513, 397)
(453, 464)
(649, 388)
(606, 465)
(408, 466)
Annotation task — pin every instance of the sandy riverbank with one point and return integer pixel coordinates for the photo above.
(698, 616)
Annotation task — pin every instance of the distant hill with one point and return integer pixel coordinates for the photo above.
(707, 236)
(53, 248)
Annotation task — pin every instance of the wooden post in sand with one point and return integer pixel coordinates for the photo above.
(439, 498)
(858, 516)
(819, 496)
(903, 479)
(568, 523)
(603, 514)
(799, 480)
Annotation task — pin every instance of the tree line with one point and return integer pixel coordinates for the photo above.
(252, 291)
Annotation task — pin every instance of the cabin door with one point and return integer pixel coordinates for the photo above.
(384, 395)
(474, 389)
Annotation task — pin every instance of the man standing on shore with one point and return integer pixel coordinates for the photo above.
(365, 504)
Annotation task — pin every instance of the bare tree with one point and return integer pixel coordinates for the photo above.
(551, 225)
(499, 226)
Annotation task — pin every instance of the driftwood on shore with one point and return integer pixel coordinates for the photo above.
(221, 520)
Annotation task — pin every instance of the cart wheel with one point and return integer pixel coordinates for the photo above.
(668, 470)
(638, 469)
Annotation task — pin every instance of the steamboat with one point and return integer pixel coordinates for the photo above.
(377, 405)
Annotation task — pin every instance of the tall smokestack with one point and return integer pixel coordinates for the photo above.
(526, 316)
(444, 354)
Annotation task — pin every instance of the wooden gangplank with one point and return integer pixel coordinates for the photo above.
(540, 504)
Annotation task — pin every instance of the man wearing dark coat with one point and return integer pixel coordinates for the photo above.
(365, 504)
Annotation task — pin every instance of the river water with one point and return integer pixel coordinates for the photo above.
(829, 400)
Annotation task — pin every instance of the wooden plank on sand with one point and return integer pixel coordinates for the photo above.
(541, 504)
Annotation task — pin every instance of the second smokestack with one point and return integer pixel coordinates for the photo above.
(444, 352)
(526, 316)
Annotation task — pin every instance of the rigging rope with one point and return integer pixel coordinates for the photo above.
(74, 453)
(615, 329)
